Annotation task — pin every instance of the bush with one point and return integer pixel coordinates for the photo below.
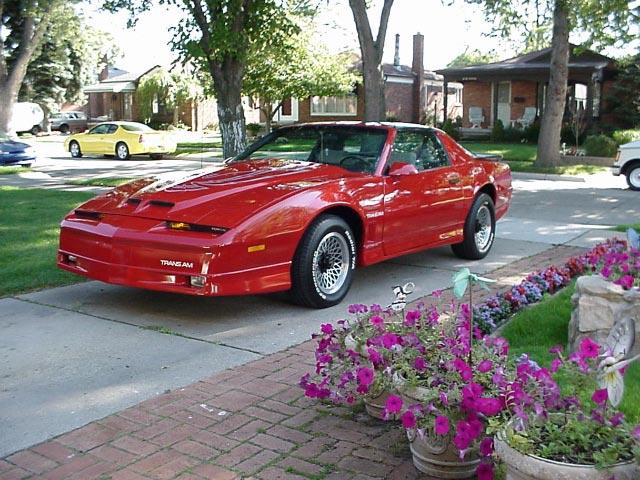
(600, 146)
(532, 132)
(451, 129)
(253, 128)
(497, 132)
(513, 134)
(625, 136)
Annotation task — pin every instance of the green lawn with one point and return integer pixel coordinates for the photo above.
(29, 236)
(520, 157)
(101, 182)
(197, 147)
(626, 226)
(11, 170)
(536, 329)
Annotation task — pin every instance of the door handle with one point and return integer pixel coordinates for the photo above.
(453, 178)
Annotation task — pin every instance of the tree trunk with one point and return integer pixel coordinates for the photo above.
(551, 124)
(9, 99)
(371, 50)
(227, 80)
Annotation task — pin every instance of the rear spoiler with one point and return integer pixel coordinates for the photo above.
(492, 157)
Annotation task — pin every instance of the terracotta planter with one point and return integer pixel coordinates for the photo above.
(375, 406)
(437, 456)
(530, 467)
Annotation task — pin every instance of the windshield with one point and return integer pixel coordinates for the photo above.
(354, 148)
(136, 127)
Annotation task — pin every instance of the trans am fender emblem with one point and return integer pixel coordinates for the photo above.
(176, 263)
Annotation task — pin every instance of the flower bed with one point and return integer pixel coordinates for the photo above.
(610, 259)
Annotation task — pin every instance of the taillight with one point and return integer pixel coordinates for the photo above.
(88, 214)
(141, 139)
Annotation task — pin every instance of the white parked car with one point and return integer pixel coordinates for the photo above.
(27, 117)
(628, 163)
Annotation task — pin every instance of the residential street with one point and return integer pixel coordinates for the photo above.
(74, 354)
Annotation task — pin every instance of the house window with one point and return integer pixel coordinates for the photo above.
(347, 105)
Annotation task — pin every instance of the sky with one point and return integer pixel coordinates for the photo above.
(448, 31)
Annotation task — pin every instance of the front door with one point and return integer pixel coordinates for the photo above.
(504, 103)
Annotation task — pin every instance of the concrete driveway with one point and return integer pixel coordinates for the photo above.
(74, 354)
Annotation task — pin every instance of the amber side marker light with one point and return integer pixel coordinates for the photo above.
(256, 248)
(192, 227)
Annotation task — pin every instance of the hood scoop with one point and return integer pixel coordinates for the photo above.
(161, 203)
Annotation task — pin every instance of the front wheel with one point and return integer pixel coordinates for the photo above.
(122, 151)
(74, 149)
(35, 130)
(322, 269)
(479, 230)
(633, 177)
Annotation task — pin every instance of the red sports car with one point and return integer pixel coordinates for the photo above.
(298, 210)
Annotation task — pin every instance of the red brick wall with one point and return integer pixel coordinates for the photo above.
(304, 111)
(476, 94)
(523, 90)
(399, 100)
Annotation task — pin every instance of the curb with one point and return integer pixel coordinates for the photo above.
(547, 176)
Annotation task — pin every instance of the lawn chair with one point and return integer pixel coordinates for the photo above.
(476, 117)
(528, 117)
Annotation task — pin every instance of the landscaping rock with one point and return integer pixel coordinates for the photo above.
(597, 305)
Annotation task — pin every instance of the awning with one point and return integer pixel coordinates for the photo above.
(111, 87)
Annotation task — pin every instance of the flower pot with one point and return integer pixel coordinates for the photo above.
(530, 467)
(375, 405)
(437, 456)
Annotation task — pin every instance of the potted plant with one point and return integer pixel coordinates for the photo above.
(553, 437)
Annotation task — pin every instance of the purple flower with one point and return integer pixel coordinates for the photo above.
(389, 340)
(374, 356)
(420, 364)
(436, 293)
(442, 425)
(393, 404)
(488, 406)
(616, 419)
(636, 432)
(600, 396)
(408, 419)
(589, 348)
(365, 376)
(411, 318)
(556, 350)
(377, 322)
(486, 446)
(326, 328)
(444, 399)
(463, 369)
(485, 471)
(625, 282)
(556, 363)
(484, 366)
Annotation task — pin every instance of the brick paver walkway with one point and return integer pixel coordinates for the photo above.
(248, 422)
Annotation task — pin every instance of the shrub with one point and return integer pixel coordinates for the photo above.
(253, 128)
(513, 134)
(497, 132)
(532, 132)
(625, 136)
(451, 129)
(600, 146)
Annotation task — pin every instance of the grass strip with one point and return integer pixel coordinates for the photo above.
(10, 170)
(101, 182)
(29, 233)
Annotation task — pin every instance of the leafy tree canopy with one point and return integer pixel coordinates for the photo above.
(623, 100)
(473, 57)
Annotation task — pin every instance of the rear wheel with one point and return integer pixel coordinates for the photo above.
(633, 177)
(35, 130)
(64, 129)
(74, 149)
(479, 230)
(122, 151)
(322, 270)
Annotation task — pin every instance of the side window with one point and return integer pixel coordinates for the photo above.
(432, 154)
(112, 128)
(99, 129)
(406, 147)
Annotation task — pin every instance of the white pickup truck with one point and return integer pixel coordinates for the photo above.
(628, 163)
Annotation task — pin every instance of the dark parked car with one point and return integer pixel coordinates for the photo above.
(15, 153)
(66, 122)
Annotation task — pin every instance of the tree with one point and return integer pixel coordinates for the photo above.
(371, 50)
(623, 99)
(473, 57)
(22, 26)
(600, 22)
(218, 36)
(296, 69)
(69, 57)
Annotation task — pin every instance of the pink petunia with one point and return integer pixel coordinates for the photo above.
(377, 322)
(485, 471)
(600, 396)
(463, 369)
(589, 348)
(412, 317)
(636, 432)
(556, 363)
(408, 419)
(374, 356)
(484, 366)
(556, 349)
(442, 425)
(393, 404)
(326, 328)
(365, 376)
(486, 446)
(389, 340)
(626, 282)
(420, 364)
(489, 406)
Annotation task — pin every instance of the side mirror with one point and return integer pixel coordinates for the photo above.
(402, 168)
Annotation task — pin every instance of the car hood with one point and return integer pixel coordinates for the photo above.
(221, 196)
(12, 146)
(630, 145)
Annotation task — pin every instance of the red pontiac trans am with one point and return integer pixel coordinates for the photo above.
(298, 210)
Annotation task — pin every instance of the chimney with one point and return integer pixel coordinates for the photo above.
(417, 67)
(104, 73)
(396, 57)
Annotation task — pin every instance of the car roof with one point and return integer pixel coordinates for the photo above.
(356, 123)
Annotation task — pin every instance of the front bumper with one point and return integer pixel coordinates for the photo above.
(17, 159)
(615, 170)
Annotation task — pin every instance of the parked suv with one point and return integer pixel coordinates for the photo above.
(66, 122)
(628, 163)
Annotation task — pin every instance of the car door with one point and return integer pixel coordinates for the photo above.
(92, 141)
(426, 207)
(109, 140)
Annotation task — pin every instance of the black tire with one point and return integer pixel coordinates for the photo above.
(633, 177)
(313, 268)
(156, 156)
(477, 242)
(74, 149)
(35, 130)
(122, 151)
(64, 129)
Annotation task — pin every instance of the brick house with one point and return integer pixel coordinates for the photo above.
(407, 98)
(505, 90)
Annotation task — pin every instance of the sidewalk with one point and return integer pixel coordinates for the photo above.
(251, 421)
